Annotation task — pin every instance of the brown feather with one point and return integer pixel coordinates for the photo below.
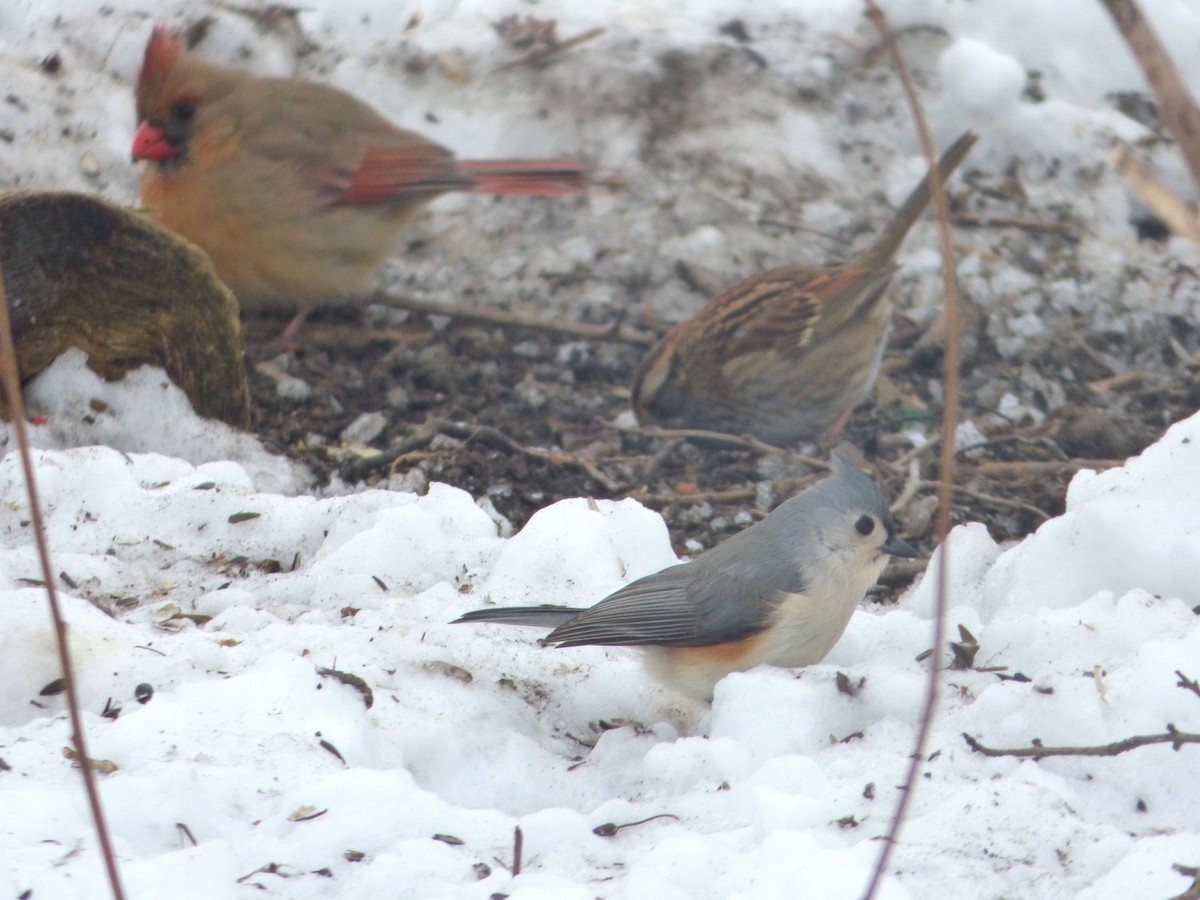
(783, 354)
(296, 190)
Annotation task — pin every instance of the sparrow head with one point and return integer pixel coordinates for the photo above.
(656, 389)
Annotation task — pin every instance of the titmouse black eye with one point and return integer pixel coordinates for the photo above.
(865, 525)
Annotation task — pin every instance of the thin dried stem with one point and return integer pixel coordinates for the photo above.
(1180, 114)
(1188, 684)
(484, 434)
(10, 386)
(542, 54)
(1155, 194)
(951, 362)
(618, 331)
(1023, 469)
(1037, 750)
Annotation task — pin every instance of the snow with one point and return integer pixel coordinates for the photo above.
(780, 789)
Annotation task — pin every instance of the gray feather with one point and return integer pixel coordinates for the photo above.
(695, 604)
(541, 616)
(725, 594)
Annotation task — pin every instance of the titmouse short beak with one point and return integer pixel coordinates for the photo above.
(896, 547)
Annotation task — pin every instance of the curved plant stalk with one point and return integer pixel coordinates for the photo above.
(949, 427)
(10, 385)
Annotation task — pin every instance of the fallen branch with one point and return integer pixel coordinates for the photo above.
(1173, 736)
(415, 441)
(1118, 382)
(719, 438)
(1187, 684)
(494, 437)
(542, 54)
(269, 17)
(1179, 112)
(617, 331)
(1021, 469)
(991, 498)
(611, 829)
(1037, 750)
(1152, 191)
(734, 441)
(484, 434)
(730, 495)
(986, 220)
(913, 484)
(658, 459)
(341, 335)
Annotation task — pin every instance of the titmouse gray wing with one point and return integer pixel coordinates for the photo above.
(707, 601)
(545, 616)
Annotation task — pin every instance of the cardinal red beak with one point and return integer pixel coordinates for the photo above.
(150, 142)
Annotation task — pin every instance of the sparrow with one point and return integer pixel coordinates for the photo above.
(779, 593)
(296, 190)
(785, 355)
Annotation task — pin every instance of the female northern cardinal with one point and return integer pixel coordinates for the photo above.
(296, 190)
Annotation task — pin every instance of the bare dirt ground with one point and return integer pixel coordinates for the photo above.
(525, 419)
(1072, 357)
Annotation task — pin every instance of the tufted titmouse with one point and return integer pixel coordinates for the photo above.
(781, 592)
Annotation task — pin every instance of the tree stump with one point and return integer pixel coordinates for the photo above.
(82, 272)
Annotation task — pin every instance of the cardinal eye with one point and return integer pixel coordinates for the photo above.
(183, 110)
(865, 525)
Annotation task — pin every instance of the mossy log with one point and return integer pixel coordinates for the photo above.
(82, 272)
